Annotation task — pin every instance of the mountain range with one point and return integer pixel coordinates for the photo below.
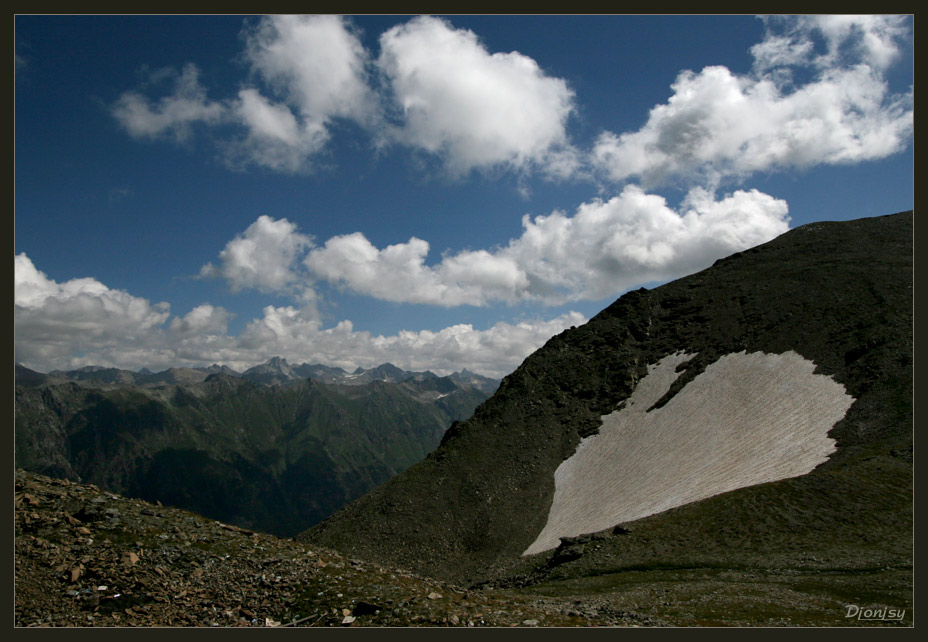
(731, 448)
(276, 448)
(274, 371)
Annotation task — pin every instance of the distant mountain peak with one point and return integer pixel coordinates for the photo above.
(276, 370)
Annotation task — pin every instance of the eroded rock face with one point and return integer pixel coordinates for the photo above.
(748, 419)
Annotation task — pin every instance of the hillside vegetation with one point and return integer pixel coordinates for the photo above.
(276, 458)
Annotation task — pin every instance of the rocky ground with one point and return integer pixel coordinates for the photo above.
(87, 557)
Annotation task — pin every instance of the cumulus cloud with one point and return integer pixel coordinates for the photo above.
(262, 257)
(873, 40)
(173, 115)
(54, 321)
(610, 246)
(398, 272)
(83, 322)
(719, 125)
(204, 319)
(315, 67)
(451, 98)
(473, 108)
(317, 63)
(493, 352)
(275, 138)
(605, 248)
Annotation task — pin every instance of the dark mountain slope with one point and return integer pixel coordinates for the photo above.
(272, 458)
(838, 294)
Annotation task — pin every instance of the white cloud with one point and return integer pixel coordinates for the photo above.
(54, 321)
(398, 272)
(275, 138)
(262, 257)
(83, 322)
(606, 248)
(204, 319)
(316, 62)
(453, 99)
(873, 40)
(780, 51)
(313, 65)
(493, 352)
(316, 66)
(473, 108)
(172, 115)
(718, 125)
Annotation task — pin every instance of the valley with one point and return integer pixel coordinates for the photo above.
(275, 453)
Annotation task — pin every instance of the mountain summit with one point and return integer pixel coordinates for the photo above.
(755, 414)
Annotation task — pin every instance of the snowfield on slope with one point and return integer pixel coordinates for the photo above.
(747, 419)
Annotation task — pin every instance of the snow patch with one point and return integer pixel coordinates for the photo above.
(747, 419)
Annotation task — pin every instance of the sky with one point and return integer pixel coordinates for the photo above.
(437, 192)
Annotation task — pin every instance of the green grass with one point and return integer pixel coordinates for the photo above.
(715, 596)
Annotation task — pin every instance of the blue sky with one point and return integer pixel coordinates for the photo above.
(437, 192)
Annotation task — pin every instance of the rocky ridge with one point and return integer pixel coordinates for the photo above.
(274, 371)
